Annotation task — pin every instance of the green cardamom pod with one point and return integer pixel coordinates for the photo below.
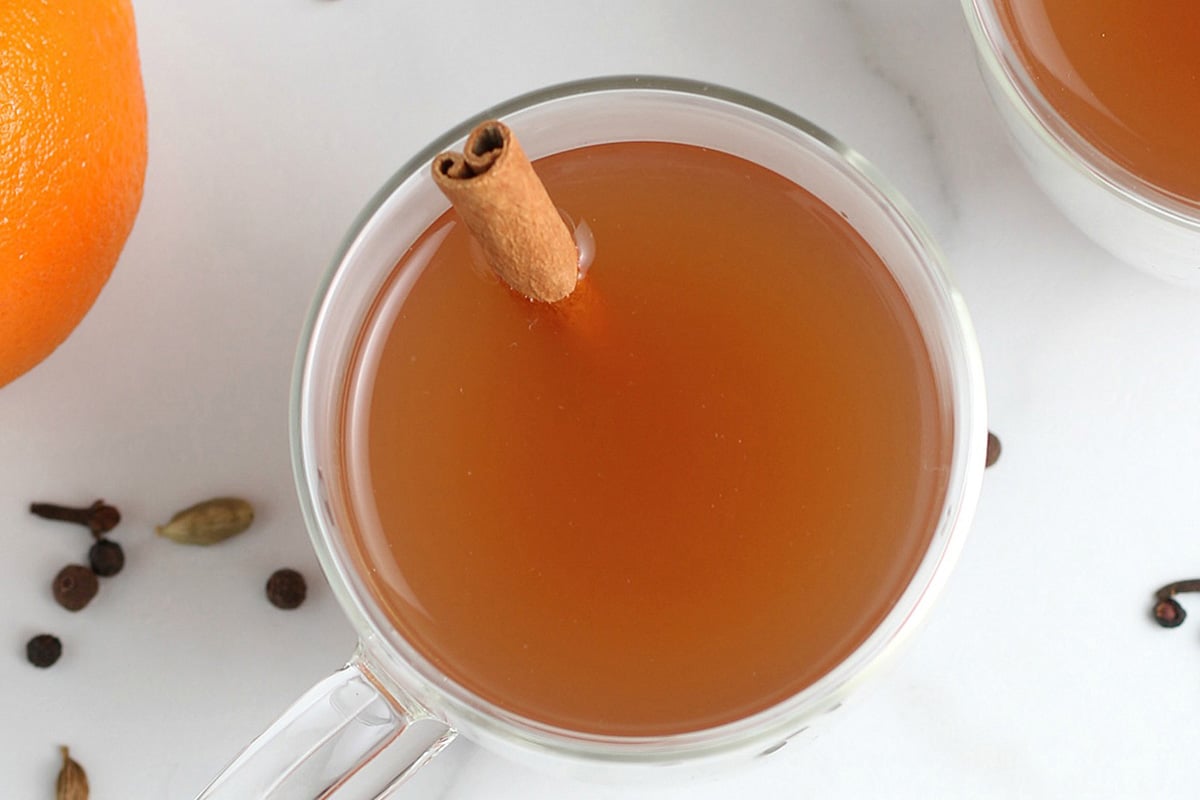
(72, 780)
(209, 522)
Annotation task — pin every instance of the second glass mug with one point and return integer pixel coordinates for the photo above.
(1132, 218)
(391, 702)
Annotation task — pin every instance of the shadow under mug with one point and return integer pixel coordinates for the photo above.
(389, 710)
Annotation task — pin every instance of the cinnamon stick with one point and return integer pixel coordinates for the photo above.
(504, 205)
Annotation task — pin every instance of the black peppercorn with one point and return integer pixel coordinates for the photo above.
(43, 650)
(74, 586)
(106, 557)
(993, 448)
(286, 588)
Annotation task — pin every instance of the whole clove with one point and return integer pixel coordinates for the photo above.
(99, 517)
(1167, 610)
(1168, 613)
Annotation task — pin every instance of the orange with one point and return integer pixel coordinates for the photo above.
(72, 164)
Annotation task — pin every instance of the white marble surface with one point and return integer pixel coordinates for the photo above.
(272, 122)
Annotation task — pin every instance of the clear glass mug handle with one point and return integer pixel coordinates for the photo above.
(345, 738)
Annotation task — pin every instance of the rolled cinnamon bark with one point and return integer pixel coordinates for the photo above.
(504, 205)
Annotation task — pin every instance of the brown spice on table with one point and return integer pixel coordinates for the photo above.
(993, 448)
(1167, 610)
(99, 517)
(106, 557)
(74, 586)
(1169, 613)
(43, 650)
(72, 781)
(286, 589)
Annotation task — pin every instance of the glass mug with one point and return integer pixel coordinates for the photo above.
(1137, 221)
(390, 701)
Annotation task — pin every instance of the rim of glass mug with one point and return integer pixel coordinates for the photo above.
(1014, 90)
(606, 103)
